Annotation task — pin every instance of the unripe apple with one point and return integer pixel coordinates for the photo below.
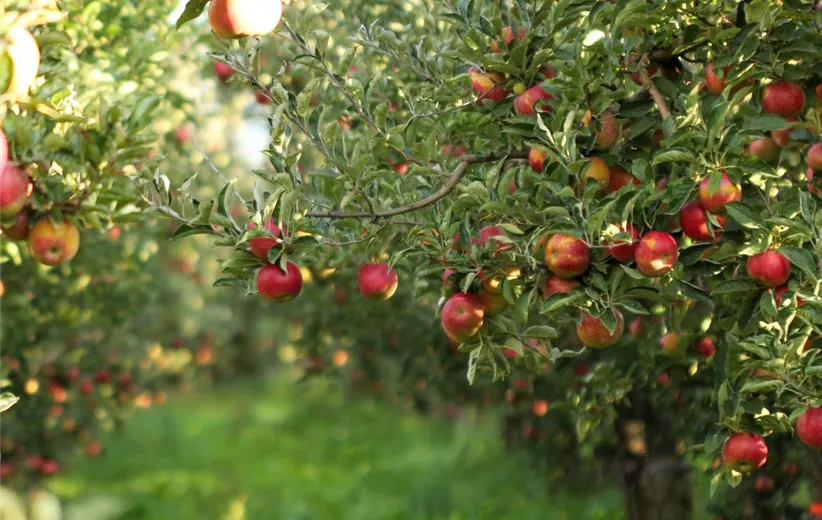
(783, 137)
(623, 251)
(24, 54)
(556, 285)
(726, 193)
(492, 303)
(656, 253)
(618, 178)
(764, 149)
(377, 281)
(20, 229)
(809, 427)
(598, 170)
(261, 245)
(277, 285)
(540, 407)
(54, 245)
(462, 316)
(223, 70)
(705, 347)
(608, 131)
(489, 86)
(593, 332)
(694, 222)
(745, 452)
(770, 268)
(567, 256)
(240, 18)
(670, 342)
(815, 157)
(536, 159)
(15, 189)
(508, 37)
(783, 98)
(526, 103)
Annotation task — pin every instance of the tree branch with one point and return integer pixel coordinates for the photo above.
(452, 180)
(645, 79)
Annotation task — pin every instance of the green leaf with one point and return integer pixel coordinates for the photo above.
(734, 286)
(7, 400)
(801, 258)
(760, 386)
(674, 156)
(141, 115)
(473, 361)
(194, 8)
(743, 215)
(542, 331)
(765, 123)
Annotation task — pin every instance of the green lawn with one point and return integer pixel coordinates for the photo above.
(305, 453)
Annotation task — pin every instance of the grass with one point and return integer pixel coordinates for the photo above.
(275, 450)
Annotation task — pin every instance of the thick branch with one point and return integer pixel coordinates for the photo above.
(448, 187)
(645, 79)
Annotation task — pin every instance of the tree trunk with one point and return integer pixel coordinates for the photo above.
(814, 466)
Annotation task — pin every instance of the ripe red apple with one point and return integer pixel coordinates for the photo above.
(815, 157)
(49, 467)
(745, 452)
(33, 462)
(277, 285)
(377, 281)
(670, 342)
(223, 70)
(770, 268)
(783, 137)
(618, 178)
(86, 387)
(462, 316)
(15, 189)
(726, 193)
(261, 245)
(636, 327)
(4, 151)
(608, 131)
(622, 250)
(94, 449)
(54, 245)
(240, 18)
(262, 98)
(454, 150)
(487, 240)
(598, 170)
(567, 256)
(664, 379)
(493, 303)
(102, 376)
(656, 253)
(540, 407)
(182, 135)
(713, 81)
(705, 347)
(24, 54)
(809, 427)
(526, 103)
(764, 484)
(489, 86)
(536, 159)
(20, 229)
(694, 222)
(6, 471)
(508, 37)
(765, 149)
(779, 295)
(783, 98)
(593, 332)
(556, 285)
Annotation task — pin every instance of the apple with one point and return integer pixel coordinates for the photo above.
(783, 98)
(54, 245)
(493, 303)
(670, 342)
(241, 18)
(24, 54)
(526, 103)
(462, 316)
(508, 37)
(567, 256)
(94, 449)
(618, 178)
(652, 70)
(598, 170)
(4, 150)
(726, 193)
(449, 278)
(540, 407)
(765, 149)
(705, 347)
(261, 245)
(694, 222)
(656, 253)
(491, 280)
(102, 376)
(486, 238)
(664, 379)
(764, 484)
(223, 70)
(809, 427)
(536, 159)
(608, 131)
(126, 382)
(818, 94)
(593, 332)
(277, 285)
(86, 387)
(779, 295)
(20, 229)
(745, 452)
(34, 462)
(489, 86)
(815, 157)
(262, 98)
(715, 83)
(770, 268)
(6, 471)
(15, 190)
(783, 137)
(636, 327)
(622, 250)
(454, 150)
(377, 281)
(556, 285)
(49, 467)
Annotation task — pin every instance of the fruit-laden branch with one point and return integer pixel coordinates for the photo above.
(645, 79)
(448, 187)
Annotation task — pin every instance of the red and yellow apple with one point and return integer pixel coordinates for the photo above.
(618, 178)
(489, 86)
(529, 101)
(536, 159)
(508, 37)
(261, 245)
(597, 169)
(462, 316)
(567, 256)
(656, 253)
(623, 250)
(276, 284)
(52, 244)
(607, 131)
(593, 332)
(783, 98)
(15, 190)
(726, 193)
(745, 452)
(809, 427)
(556, 285)
(241, 18)
(769, 268)
(377, 281)
(694, 222)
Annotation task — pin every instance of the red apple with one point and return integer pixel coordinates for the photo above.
(656, 253)
(593, 332)
(454, 150)
(770, 268)
(86, 387)
(618, 178)
(487, 240)
(241, 18)
(377, 281)
(765, 149)
(526, 103)
(20, 229)
(726, 193)
(6, 471)
(783, 98)
(261, 245)
(24, 56)
(783, 137)
(49, 467)
(536, 159)
(636, 327)
(223, 70)
(102, 376)
(489, 86)
(715, 83)
(4, 151)
(608, 131)
(262, 98)
(277, 285)
(556, 285)
(809, 427)
(779, 295)
(508, 37)
(182, 134)
(15, 189)
(598, 170)
(53, 245)
(764, 484)
(694, 222)
(705, 347)
(622, 250)
(567, 256)
(745, 452)
(540, 407)
(94, 449)
(815, 157)
(670, 342)
(462, 316)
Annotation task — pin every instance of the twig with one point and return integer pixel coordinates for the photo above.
(645, 79)
(215, 169)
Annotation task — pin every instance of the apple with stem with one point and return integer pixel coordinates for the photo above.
(278, 285)
(54, 244)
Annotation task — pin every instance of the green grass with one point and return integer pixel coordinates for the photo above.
(305, 453)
